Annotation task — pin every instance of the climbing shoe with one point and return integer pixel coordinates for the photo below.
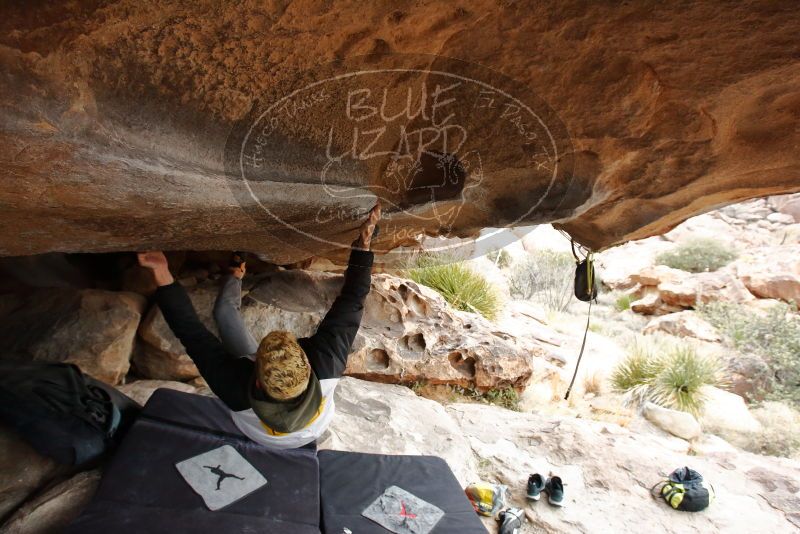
(511, 521)
(555, 491)
(535, 486)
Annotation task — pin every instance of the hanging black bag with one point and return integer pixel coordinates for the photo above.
(61, 412)
(585, 281)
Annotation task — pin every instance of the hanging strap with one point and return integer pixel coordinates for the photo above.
(590, 289)
(580, 355)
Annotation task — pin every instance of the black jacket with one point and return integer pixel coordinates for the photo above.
(230, 377)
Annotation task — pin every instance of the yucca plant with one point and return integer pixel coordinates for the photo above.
(679, 384)
(462, 287)
(672, 377)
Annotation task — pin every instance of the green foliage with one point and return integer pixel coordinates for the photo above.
(505, 397)
(500, 257)
(672, 377)
(462, 287)
(697, 255)
(638, 368)
(623, 302)
(679, 384)
(774, 336)
(546, 276)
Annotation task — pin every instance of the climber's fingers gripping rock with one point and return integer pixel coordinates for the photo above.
(156, 262)
(368, 228)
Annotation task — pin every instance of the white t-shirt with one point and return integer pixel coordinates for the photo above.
(248, 422)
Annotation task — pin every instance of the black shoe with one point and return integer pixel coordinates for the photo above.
(511, 521)
(555, 491)
(535, 486)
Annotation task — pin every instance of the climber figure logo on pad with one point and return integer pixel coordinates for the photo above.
(221, 474)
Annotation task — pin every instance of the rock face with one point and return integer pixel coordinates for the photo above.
(408, 332)
(683, 324)
(677, 423)
(772, 273)
(54, 509)
(23, 470)
(115, 116)
(660, 289)
(141, 390)
(726, 412)
(91, 328)
(603, 464)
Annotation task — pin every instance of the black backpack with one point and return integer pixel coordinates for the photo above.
(63, 413)
(684, 490)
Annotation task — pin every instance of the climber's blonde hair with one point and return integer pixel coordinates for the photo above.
(282, 367)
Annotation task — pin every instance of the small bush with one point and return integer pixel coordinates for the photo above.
(462, 287)
(547, 276)
(593, 383)
(697, 256)
(774, 336)
(781, 430)
(623, 302)
(506, 397)
(673, 379)
(637, 369)
(679, 384)
(500, 257)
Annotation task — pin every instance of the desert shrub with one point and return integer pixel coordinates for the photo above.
(462, 287)
(780, 435)
(679, 383)
(506, 397)
(697, 255)
(672, 377)
(546, 276)
(500, 257)
(774, 336)
(593, 383)
(639, 368)
(623, 302)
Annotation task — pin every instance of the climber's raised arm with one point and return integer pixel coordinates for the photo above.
(337, 331)
(227, 377)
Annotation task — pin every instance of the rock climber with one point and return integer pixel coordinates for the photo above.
(280, 391)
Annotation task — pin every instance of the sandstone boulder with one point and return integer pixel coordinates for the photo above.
(404, 422)
(792, 209)
(677, 423)
(726, 412)
(781, 286)
(648, 302)
(54, 509)
(683, 324)
(24, 470)
(704, 287)
(141, 390)
(91, 328)
(408, 332)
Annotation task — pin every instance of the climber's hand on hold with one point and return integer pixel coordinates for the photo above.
(156, 262)
(367, 229)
